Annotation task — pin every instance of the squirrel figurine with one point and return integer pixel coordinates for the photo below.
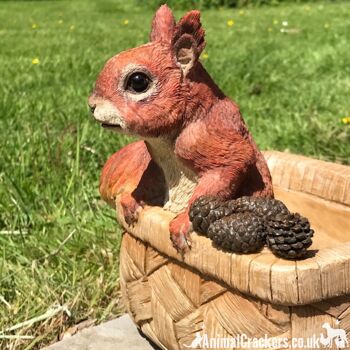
(194, 140)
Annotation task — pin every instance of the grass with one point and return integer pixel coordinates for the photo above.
(58, 242)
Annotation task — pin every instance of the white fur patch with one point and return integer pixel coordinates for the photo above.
(106, 113)
(180, 181)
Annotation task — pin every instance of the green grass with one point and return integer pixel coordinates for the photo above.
(293, 89)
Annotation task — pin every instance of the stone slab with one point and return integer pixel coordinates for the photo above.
(118, 334)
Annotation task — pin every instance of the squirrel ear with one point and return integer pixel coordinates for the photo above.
(188, 41)
(163, 25)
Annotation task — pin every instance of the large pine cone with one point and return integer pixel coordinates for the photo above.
(289, 235)
(263, 207)
(241, 233)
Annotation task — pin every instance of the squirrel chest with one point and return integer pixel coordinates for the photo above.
(180, 180)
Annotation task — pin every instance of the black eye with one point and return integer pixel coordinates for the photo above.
(138, 82)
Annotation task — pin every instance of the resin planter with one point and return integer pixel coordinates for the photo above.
(171, 298)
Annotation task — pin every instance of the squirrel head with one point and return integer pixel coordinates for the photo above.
(144, 90)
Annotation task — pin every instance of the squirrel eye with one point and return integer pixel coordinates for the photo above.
(138, 82)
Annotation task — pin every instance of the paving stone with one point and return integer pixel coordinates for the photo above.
(118, 334)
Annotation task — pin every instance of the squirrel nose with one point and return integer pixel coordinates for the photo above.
(92, 107)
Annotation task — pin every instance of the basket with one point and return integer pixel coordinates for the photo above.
(175, 300)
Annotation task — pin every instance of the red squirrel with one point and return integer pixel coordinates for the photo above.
(194, 140)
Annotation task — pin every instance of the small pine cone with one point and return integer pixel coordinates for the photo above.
(289, 235)
(263, 207)
(205, 210)
(240, 232)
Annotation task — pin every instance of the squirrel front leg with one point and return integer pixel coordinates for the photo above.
(222, 161)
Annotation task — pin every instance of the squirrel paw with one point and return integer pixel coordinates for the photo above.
(179, 233)
(131, 209)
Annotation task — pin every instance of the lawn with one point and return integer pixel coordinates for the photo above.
(287, 67)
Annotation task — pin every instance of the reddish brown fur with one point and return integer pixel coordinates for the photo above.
(205, 128)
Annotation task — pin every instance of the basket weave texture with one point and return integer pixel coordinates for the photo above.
(224, 295)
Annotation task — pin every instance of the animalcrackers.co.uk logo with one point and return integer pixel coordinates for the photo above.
(328, 338)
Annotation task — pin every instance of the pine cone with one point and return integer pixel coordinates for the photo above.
(241, 232)
(289, 235)
(205, 210)
(263, 207)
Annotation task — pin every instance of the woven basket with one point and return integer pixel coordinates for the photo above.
(171, 299)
